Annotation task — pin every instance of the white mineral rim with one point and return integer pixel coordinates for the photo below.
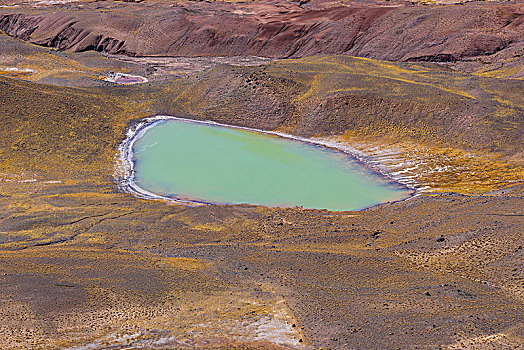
(125, 174)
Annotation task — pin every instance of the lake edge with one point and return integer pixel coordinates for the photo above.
(124, 173)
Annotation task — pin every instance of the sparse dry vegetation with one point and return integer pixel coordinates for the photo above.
(82, 263)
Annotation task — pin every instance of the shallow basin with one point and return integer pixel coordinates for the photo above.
(207, 163)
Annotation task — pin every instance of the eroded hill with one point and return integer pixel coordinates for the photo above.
(482, 34)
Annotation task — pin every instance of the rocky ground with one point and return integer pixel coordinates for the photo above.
(86, 266)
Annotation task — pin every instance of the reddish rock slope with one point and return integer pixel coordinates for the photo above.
(427, 33)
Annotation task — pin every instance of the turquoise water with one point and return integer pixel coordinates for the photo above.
(218, 164)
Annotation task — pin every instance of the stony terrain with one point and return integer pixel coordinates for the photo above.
(84, 265)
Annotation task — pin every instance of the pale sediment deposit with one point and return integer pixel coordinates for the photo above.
(124, 79)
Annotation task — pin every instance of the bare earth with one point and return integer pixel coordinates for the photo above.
(84, 265)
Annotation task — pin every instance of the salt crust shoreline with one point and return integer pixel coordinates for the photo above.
(125, 175)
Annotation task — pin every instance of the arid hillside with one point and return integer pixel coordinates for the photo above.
(82, 263)
(492, 33)
(405, 105)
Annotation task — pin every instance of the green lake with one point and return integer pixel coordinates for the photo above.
(218, 164)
